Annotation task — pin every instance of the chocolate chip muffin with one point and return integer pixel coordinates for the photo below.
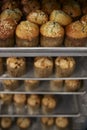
(33, 104)
(38, 17)
(16, 66)
(27, 34)
(1, 66)
(56, 85)
(6, 123)
(64, 66)
(52, 34)
(43, 67)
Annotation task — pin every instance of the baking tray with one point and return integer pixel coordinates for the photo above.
(79, 73)
(43, 88)
(67, 106)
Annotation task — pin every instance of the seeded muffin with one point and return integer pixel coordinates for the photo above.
(72, 85)
(31, 85)
(43, 67)
(10, 84)
(38, 17)
(61, 123)
(15, 14)
(52, 34)
(1, 66)
(33, 104)
(48, 104)
(56, 85)
(23, 123)
(76, 35)
(19, 102)
(7, 29)
(84, 19)
(64, 66)
(6, 123)
(61, 17)
(27, 34)
(16, 66)
(47, 123)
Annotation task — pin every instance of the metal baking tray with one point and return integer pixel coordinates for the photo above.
(67, 106)
(79, 73)
(43, 88)
(43, 51)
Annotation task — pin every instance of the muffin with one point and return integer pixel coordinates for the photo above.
(43, 67)
(33, 104)
(31, 85)
(1, 66)
(15, 14)
(76, 35)
(56, 85)
(27, 34)
(61, 123)
(84, 19)
(10, 84)
(6, 99)
(37, 17)
(7, 29)
(16, 66)
(19, 103)
(64, 66)
(72, 85)
(47, 123)
(23, 123)
(48, 104)
(61, 17)
(6, 123)
(52, 34)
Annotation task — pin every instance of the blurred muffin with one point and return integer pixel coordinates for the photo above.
(33, 104)
(15, 14)
(37, 17)
(72, 85)
(72, 8)
(6, 98)
(48, 104)
(6, 123)
(64, 66)
(61, 17)
(1, 66)
(16, 66)
(23, 123)
(76, 35)
(61, 123)
(31, 85)
(30, 6)
(84, 19)
(27, 34)
(43, 67)
(7, 29)
(19, 102)
(10, 84)
(56, 85)
(47, 123)
(52, 34)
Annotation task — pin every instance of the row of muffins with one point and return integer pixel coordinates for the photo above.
(26, 123)
(32, 85)
(43, 66)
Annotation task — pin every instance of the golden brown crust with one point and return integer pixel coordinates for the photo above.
(62, 122)
(47, 121)
(6, 122)
(23, 122)
(19, 98)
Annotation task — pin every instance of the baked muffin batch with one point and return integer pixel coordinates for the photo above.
(46, 23)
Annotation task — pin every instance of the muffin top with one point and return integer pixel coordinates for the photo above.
(84, 19)
(43, 62)
(15, 62)
(62, 122)
(65, 62)
(49, 102)
(23, 122)
(73, 83)
(33, 100)
(6, 122)
(11, 14)
(61, 17)
(76, 30)
(27, 30)
(31, 81)
(20, 98)
(48, 121)
(7, 28)
(9, 82)
(38, 17)
(6, 97)
(52, 29)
